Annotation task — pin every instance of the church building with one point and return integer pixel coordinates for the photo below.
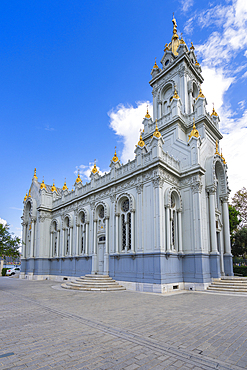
(156, 223)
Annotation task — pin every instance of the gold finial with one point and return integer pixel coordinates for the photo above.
(147, 114)
(194, 131)
(196, 63)
(166, 47)
(192, 46)
(30, 226)
(29, 193)
(25, 198)
(95, 169)
(115, 158)
(141, 142)
(175, 35)
(217, 148)
(155, 65)
(34, 175)
(175, 94)
(53, 188)
(156, 132)
(214, 112)
(223, 159)
(200, 95)
(78, 178)
(64, 185)
(42, 185)
(181, 39)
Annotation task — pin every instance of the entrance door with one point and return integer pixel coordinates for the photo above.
(101, 251)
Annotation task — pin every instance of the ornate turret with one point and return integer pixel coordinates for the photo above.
(115, 158)
(194, 131)
(42, 185)
(147, 114)
(156, 132)
(34, 175)
(214, 113)
(78, 179)
(53, 188)
(200, 95)
(65, 186)
(141, 142)
(95, 169)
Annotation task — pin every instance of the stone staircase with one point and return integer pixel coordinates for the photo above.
(229, 284)
(93, 283)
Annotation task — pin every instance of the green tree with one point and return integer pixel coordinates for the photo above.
(239, 245)
(234, 220)
(9, 245)
(239, 201)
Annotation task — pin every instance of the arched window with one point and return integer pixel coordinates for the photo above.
(67, 237)
(125, 217)
(173, 223)
(54, 239)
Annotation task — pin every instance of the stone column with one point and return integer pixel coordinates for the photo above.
(94, 256)
(51, 240)
(226, 227)
(106, 254)
(132, 231)
(196, 187)
(117, 237)
(58, 242)
(180, 243)
(159, 109)
(87, 239)
(32, 239)
(213, 238)
(168, 236)
(127, 234)
(24, 233)
(154, 92)
(139, 234)
(70, 241)
(77, 240)
(63, 244)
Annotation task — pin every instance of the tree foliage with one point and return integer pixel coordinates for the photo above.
(239, 201)
(234, 219)
(239, 245)
(9, 245)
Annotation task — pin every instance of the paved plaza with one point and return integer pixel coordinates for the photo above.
(46, 327)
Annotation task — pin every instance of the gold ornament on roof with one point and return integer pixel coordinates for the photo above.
(175, 94)
(25, 198)
(95, 169)
(194, 131)
(175, 35)
(181, 39)
(65, 186)
(42, 185)
(29, 193)
(217, 148)
(53, 188)
(141, 142)
(78, 178)
(155, 65)
(34, 175)
(192, 46)
(166, 47)
(115, 158)
(214, 112)
(223, 159)
(147, 114)
(200, 95)
(196, 63)
(156, 132)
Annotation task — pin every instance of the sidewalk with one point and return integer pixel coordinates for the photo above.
(46, 327)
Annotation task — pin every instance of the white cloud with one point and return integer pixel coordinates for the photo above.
(126, 121)
(186, 4)
(244, 75)
(241, 104)
(85, 170)
(18, 209)
(3, 222)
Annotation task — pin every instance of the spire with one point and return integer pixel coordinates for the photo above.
(194, 131)
(78, 178)
(196, 63)
(147, 114)
(95, 169)
(34, 175)
(115, 158)
(200, 95)
(175, 96)
(156, 132)
(155, 65)
(64, 185)
(53, 188)
(42, 185)
(141, 142)
(214, 112)
(192, 46)
(175, 35)
(217, 148)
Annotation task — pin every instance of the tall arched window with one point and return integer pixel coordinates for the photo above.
(125, 217)
(54, 238)
(173, 222)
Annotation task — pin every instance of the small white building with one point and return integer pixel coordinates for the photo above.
(157, 223)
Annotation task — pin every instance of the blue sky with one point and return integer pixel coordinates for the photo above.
(74, 83)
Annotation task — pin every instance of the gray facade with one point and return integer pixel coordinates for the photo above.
(158, 222)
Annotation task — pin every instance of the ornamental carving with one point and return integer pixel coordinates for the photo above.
(158, 182)
(196, 186)
(139, 188)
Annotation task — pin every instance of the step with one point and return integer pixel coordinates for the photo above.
(67, 286)
(93, 283)
(229, 284)
(227, 287)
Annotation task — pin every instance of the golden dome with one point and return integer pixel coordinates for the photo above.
(42, 185)
(115, 158)
(217, 148)
(214, 113)
(94, 170)
(156, 132)
(155, 65)
(34, 175)
(53, 188)
(25, 198)
(147, 114)
(65, 186)
(78, 178)
(141, 142)
(200, 95)
(194, 131)
(175, 94)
